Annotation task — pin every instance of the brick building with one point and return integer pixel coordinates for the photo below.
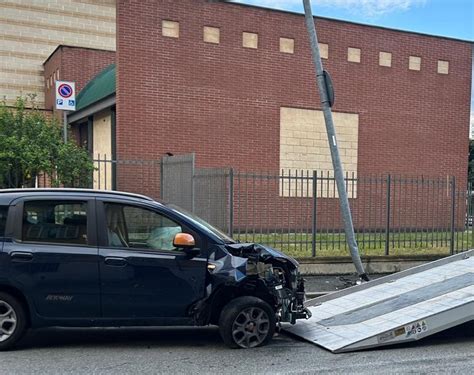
(31, 30)
(95, 110)
(45, 41)
(235, 84)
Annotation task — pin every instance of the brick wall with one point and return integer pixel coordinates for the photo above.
(222, 101)
(73, 64)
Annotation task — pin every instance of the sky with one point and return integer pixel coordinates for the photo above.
(450, 18)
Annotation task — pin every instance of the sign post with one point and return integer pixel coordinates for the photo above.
(65, 101)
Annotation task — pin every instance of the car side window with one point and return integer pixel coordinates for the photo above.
(62, 222)
(3, 219)
(141, 228)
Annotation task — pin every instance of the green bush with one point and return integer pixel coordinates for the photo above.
(32, 145)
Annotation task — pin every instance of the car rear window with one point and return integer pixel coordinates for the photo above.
(3, 219)
(55, 222)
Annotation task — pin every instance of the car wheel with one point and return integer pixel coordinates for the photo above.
(247, 322)
(12, 321)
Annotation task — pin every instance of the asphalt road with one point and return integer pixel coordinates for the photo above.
(200, 351)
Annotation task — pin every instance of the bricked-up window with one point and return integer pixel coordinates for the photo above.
(443, 67)
(353, 55)
(414, 63)
(211, 35)
(304, 147)
(385, 59)
(170, 29)
(249, 40)
(324, 50)
(287, 45)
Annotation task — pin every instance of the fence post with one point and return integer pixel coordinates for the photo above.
(453, 212)
(161, 178)
(387, 228)
(193, 177)
(113, 163)
(469, 213)
(105, 172)
(98, 163)
(313, 221)
(231, 202)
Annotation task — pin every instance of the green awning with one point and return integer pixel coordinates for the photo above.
(100, 87)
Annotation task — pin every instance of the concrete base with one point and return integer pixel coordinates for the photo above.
(372, 265)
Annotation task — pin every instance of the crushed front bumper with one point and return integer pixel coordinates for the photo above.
(292, 303)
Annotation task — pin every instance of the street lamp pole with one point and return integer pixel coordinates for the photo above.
(326, 96)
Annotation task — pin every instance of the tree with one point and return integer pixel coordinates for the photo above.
(32, 145)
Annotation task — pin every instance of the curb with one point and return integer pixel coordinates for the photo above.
(373, 265)
(311, 295)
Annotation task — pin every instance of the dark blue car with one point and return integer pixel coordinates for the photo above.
(85, 258)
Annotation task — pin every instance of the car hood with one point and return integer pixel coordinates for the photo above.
(264, 252)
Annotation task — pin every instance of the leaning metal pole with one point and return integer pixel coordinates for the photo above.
(331, 132)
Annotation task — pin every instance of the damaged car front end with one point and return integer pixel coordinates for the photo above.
(276, 272)
(249, 290)
(237, 270)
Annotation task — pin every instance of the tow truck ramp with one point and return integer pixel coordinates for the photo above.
(402, 307)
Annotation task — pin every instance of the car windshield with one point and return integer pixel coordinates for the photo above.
(202, 223)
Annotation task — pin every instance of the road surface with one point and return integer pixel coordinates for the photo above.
(200, 351)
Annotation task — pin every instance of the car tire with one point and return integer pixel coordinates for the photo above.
(13, 321)
(247, 322)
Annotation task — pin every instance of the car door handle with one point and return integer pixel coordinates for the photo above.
(115, 262)
(21, 256)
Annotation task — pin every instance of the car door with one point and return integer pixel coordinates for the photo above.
(142, 274)
(54, 258)
(3, 222)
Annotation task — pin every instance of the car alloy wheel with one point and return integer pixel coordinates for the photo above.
(8, 321)
(250, 327)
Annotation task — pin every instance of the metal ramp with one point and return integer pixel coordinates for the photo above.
(402, 307)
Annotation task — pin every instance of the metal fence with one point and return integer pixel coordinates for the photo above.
(203, 191)
(298, 211)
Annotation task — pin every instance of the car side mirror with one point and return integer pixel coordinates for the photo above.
(186, 242)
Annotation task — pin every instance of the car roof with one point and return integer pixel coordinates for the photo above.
(8, 195)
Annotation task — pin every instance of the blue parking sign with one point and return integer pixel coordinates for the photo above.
(65, 95)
